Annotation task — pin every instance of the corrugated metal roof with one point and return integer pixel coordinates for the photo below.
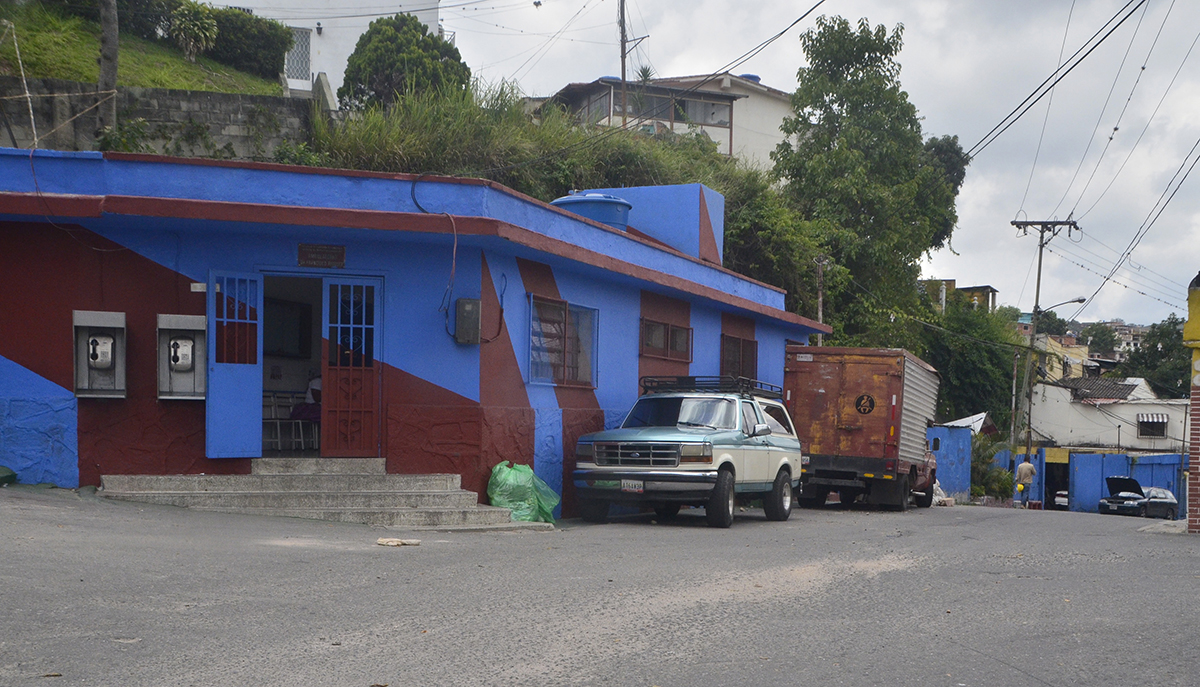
(1097, 387)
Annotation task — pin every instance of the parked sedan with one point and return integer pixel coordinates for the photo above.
(1062, 500)
(1128, 497)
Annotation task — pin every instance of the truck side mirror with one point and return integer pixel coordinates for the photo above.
(761, 430)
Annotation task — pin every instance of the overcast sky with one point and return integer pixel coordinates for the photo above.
(966, 64)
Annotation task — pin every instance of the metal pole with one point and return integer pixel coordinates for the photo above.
(821, 260)
(624, 39)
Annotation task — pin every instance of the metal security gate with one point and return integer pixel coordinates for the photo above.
(233, 405)
(350, 394)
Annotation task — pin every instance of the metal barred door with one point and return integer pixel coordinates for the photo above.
(350, 388)
(233, 404)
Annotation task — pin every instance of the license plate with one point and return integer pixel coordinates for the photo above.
(1111, 507)
(633, 486)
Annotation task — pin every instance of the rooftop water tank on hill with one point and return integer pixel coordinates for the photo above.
(600, 207)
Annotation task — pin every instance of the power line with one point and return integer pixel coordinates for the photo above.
(1042, 89)
(1145, 128)
(1049, 103)
(1118, 283)
(1155, 212)
(1103, 109)
(613, 131)
(1121, 116)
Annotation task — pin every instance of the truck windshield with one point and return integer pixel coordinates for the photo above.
(715, 413)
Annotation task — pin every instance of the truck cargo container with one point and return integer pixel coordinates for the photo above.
(861, 414)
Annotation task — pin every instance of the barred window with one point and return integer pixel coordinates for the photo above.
(296, 63)
(562, 342)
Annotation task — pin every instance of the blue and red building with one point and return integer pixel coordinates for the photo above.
(455, 323)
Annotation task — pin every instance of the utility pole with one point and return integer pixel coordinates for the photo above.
(822, 261)
(1046, 229)
(624, 54)
(627, 46)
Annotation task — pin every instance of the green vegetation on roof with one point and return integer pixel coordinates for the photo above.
(56, 46)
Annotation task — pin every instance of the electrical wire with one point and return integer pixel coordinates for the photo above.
(550, 42)
(1140, 280)
(1121, 116)
(1103, 109)
(1041, 90)
(1145, 128)
(1155, 212)
(614, 131)
(1115, 281)
(1049, 104)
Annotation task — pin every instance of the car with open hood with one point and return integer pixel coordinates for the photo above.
(699, 441)
(1126, 496)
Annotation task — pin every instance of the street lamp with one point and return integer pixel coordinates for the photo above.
(1033, 322)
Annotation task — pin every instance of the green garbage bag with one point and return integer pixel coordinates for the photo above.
(528, 497)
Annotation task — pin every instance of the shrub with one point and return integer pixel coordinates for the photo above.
(251, 44)
(193, 28)
(395, 57)
(149, 19)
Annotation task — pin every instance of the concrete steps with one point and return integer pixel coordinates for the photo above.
(337, 489)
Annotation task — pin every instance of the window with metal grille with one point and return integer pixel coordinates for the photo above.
(235, 325)
(662, 340)
(739, 357)
(562, 342)
(351, 325)
(296, 64)
(1152, 425)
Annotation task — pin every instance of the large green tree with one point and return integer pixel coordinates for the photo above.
(1100, 338)
(855, 161)
(973, 350)
(1161, 359)
(395, 57)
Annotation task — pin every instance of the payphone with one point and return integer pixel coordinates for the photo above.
(99, 354)
(181, 357)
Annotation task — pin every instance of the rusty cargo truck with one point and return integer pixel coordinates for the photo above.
(861, 414)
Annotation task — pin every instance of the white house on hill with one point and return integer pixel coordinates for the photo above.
(326, 32)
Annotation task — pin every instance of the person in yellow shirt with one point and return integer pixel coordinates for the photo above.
(1025, 473)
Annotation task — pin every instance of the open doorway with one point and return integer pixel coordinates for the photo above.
(1058, 476)
(292, 369)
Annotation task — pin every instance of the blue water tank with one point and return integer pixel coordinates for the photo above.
(600, 207)
(751, 77)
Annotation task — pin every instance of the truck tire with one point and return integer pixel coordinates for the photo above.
(927, 500)
(813, 497)
(666, 511)
(719, 509)
(846, 497)
(902, 494)
(778, 504)
(593, 510)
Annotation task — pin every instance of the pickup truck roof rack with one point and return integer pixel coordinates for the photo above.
(713, 383)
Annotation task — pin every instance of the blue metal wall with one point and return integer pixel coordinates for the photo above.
(953, 454)
(1038, 459)
(1088, 471)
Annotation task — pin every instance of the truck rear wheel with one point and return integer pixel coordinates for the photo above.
(593, 510)
(902, 494)
(927, 500)
(719, 509)
(813, 497)
(778, 503)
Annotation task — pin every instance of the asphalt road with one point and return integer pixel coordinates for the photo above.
(94, 592)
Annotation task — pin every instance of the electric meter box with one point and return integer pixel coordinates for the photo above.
(467, 321)
(182, 357)
(99, 354)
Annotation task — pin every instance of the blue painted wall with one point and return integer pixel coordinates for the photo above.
(671, 214)
(1088, 471)
(953, 457)
(1038, 491)
(39, 430)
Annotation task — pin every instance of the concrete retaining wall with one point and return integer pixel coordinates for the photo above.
(186, 123)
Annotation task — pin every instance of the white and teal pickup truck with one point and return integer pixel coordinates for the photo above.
(700, 441)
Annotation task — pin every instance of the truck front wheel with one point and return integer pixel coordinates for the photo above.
(593, 510)
(927, 500)
(719, 510)
(778, 503)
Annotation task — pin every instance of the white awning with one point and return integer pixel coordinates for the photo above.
(1153, 417)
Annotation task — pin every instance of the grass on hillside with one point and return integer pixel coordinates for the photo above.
(55, 46)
